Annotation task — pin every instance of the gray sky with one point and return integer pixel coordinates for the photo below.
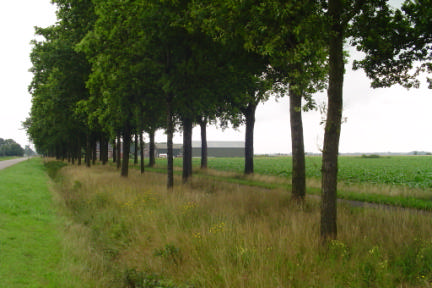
(378, 120)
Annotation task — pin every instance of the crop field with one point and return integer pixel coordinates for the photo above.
(411, 171)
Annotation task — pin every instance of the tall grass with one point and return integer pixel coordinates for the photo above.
(214, 234)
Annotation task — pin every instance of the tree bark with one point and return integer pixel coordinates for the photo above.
(119, 150)
(187, 149)
(126, 151)
(78, 151)
(170, 134)
(94, 148)
(204, 152)
(141, 140)
(333, 124)
(88, 151)
(249, 138)
(136, 149)
(298, 180)
(152, 160)
(104, 150)
(114, 151)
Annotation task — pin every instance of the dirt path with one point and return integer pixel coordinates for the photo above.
(7, 163)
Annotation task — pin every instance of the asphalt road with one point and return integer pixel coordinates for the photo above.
(7, 163)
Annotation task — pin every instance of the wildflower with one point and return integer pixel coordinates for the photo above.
(217, 228)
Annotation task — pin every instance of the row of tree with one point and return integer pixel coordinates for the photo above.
(111, 69)
(8, 147)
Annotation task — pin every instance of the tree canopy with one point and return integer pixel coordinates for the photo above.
(8, 147)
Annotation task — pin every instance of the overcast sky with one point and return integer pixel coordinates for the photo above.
(378, 120)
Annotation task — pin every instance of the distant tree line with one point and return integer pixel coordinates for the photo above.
(111, 70)
(8, 147)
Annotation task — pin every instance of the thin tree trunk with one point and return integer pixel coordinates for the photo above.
(119, 150)
(136, 149)
(152, 160)
(297, 143)
(249, 138)
(88, 151)
(78, 151)
(333, 124)
(204, 152)
(187, 149)
(170, 134)
(104, 145)
(94, 148)
(114, 151)
(126, 151)
(101, 148)
(141, 140)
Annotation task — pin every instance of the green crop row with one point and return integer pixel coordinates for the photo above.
(412, 171)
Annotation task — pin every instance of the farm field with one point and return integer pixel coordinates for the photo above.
(409, 171)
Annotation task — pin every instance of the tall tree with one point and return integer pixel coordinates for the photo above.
(59, 81)
(340, 16)
(288, 34)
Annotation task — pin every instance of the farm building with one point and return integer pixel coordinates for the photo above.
(214, 149)
(220, 149)
(161, 150)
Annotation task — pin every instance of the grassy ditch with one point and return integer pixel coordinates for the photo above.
(32, 253)
(215, 234)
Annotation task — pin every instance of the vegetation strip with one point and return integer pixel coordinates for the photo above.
(31, 249)
(422, 203)
(214, 234)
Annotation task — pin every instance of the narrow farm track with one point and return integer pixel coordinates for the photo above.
(8, 163)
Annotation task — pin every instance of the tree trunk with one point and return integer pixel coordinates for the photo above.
(104, 150)
(333, 124)
(101, 148)
(78, 151)
(126, 151)
(88, 151)
(136, 149)
(297, 144)
(141, 140)
(119, 150)
(204, 154)
(94, 148)
(114, 151)
(249, 138)
(187, 149)
(152, 160)
(170, 134)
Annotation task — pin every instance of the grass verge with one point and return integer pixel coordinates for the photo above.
(32, 250)
(215, 234)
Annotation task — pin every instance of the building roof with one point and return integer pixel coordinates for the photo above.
(220, 144)
(164, 146)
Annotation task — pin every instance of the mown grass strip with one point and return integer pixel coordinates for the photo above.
(31, 252)
(397, 201)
